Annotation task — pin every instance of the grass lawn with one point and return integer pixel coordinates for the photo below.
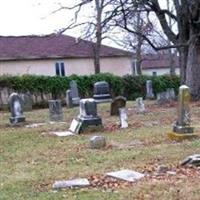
(31, 159)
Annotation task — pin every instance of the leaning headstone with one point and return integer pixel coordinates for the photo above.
(80, 182)
(88, 117)
(126, 175)
(74, 93)
(27, 102)
(55, 110)
(140, 105)
(15, 104)
(118, 102)
(97, 142)
(69, 102)
(123, 118)
(149, 90)
(182, 128)
(101, 92)
(193, 160)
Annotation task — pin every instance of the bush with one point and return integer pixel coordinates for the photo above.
(129, 86)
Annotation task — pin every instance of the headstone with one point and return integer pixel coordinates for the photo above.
(69, 102)
(182, 124)
(162, 98)
(149, 90)
(87, 117)
(55, 110)
(27, 102)
(126, 175)
(80, 182)
(140, 105)
(171, 93)
(123, 118)
(74, 93)
(118, 102)
(102, 92)
(97, 142)
(193, 160)
(15, 104)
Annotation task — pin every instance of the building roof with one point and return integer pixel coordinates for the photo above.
(51, 46)
(158, 61)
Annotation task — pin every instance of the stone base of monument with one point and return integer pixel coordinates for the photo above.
(181, 136)
(103, 98)
(76, 101)
(15, 120)
(183, 129)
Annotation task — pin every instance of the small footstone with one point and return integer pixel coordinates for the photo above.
(126, 175)
(97, 142)
(193, 160)
(80, 182)
(62, 133)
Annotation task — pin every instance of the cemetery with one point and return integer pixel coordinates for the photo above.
(102, 146)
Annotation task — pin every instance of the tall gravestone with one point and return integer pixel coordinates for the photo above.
(55, 110)
(15, 105)
(118, 102)
(149, 90)
(101, 92)
(123, 118)
(182, 128)
(87, 117)
(74, 93)
(69, 102)
(27, 101)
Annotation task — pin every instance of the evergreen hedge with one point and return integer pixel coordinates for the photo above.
(129, 86)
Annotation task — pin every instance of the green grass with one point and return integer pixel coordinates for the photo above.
(31, 160)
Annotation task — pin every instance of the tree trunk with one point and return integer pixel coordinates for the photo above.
(193, 69)
(183, 51)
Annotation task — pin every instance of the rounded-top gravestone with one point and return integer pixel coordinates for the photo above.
(15, 104)
(118, 102)
(97, 142)
(101, 91)
(55, 110)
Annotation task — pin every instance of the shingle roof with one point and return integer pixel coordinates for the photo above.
(50, 46)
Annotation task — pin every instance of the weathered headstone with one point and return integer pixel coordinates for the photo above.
(182, 128)
(97, 142)
(80, 182)
(15, 104)
(87, 116)
(140, 105)
(149, 90)
(123, 118)
(27, 102)
(118, 102)
(69, 102)
(102, 92)
(171, 93)
(126, 175)
(74, 93)
(55, 110)
(166, 96)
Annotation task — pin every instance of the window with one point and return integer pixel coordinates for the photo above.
(60, 68)
(154, 73)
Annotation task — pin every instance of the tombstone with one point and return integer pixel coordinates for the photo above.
(149, 90)
(182, 128)
(55, 110)
(15, 104)
(140, 105)
(123, 118)
(118, 102)
(97, 142)
(163, 97)
(171, 94)
(27, 102)
(69, 99)
(87, 117)
(102, 92)
(74, 93)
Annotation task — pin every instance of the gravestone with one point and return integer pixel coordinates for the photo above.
(140, 105)
(87, 117)
(69, 103)
(27, 102)
(123, 118)
(15, 105)
(55, 110)
(97, 142)
(171, 93)
(101, 92)
(118, 102)
(182, 128)
(149, 90)
(74, 93)
(166, 96)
